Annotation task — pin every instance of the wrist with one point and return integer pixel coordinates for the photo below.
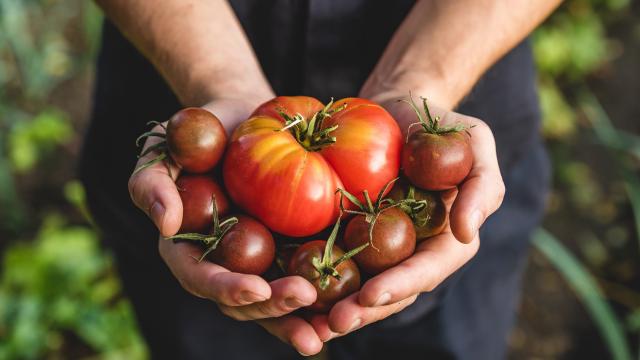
(231, 111)
(203, 89)
(384, 89)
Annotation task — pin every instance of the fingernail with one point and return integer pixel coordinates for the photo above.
(157, 213)
(476, 220)
(251, 297)
(355, 325)
(303, 354)
(383, 299)
(293, 302)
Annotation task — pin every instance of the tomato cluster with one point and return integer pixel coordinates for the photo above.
(296, 167)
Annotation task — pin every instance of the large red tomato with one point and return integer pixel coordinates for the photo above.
(288, 178)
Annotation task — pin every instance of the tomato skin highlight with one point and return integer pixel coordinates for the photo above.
(367, 153)
(273, 177)
(394, 240)
(437, 161)
(196, 193)
(195, 139)
(269, 175)
(301, 264)
(247, 248)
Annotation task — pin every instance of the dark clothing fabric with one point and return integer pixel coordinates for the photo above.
(320, 48)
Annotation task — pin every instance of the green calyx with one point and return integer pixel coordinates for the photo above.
(414, 208)
(431, 125)
(310, 133)
(370, 210)
(326, 267)
(159, 148)
(218, 231)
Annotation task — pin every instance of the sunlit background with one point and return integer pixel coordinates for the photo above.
(60, 297)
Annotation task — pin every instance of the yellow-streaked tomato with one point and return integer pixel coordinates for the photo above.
(284, 164)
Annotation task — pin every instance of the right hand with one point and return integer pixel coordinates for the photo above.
(240, 296)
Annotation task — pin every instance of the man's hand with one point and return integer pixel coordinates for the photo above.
(247, 297)
(438, 257)
(239, 296)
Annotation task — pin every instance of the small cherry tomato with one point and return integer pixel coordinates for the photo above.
(247, 248)
(425, 208)
(434, 157)
(331, 271)
(238, 243)
(197, 193)
(194, 139)
(384, 226)
(393, 240)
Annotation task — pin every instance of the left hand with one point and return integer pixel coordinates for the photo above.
(438, 257)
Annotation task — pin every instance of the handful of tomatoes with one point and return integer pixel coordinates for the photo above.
(297, 167)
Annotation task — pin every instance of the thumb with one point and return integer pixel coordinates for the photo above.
(153, 190)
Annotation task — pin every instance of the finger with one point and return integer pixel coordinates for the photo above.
(348, 315)
(155, 193)
(482, 191)
(320, 323)
(287, 294)
(208, 280)
(294, 331)
(434, 260)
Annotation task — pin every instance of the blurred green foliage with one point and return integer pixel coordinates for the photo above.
(59, 294)
(29, 140)
(570, 46)
(59, 284)
(570, 49)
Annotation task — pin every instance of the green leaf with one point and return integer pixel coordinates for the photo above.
(604, 130)
(632, 185)
(615, 139)
(588, 291)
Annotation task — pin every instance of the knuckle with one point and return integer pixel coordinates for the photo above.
(133, 186)
(431, 280)
(404, 279)
(232, 313)
(269, 309)
(502, 190)
(480, 125)
(429, 286)
(188, 286)
(217, 291)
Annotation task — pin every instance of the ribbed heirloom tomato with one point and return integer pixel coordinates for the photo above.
(284, 164)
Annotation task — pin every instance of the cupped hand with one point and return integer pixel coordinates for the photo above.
(436, 258)
(247, 297)
(394, 289)
(240, 296)
(482, 191)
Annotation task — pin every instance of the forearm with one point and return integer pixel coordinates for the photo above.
(443, 47)
(198, 46)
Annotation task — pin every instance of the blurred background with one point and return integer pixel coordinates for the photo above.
(60, 297)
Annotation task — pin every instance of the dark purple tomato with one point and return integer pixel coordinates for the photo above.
(196, 139)
(394, 240)
(430, 220)
(437, 161)
(197, 192)
(247, 248)
(302, 264)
